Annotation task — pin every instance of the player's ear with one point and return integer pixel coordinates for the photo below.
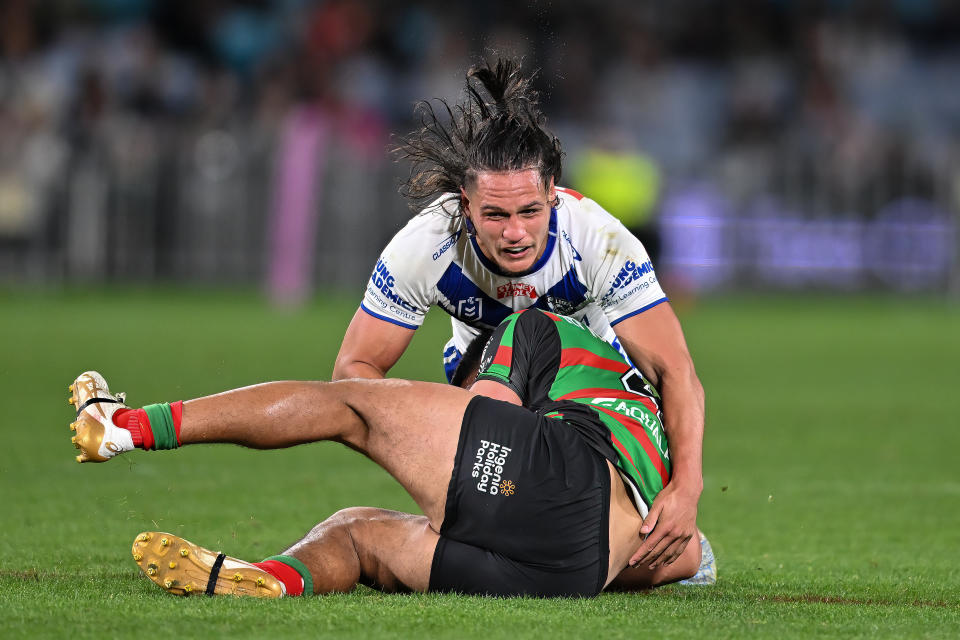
(552, 192)
(465, 211)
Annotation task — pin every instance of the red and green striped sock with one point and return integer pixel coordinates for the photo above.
(156, 426)
(291, 572)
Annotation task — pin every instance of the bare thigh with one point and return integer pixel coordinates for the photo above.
(412, 431)
(409, 428)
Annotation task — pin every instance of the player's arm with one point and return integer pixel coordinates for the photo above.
(625, 286)
(394, 304)
(655, 343)
(370, 347)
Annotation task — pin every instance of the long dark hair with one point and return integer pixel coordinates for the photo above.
(497, 127)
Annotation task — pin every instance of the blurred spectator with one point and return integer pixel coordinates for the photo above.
(154, 134)
(627, 184)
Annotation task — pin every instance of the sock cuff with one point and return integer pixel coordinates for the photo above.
(297, 566)
(176, 412)
(140, 421)
(128, 419)
(161, 423)
(132, 424)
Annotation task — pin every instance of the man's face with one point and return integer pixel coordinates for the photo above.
(510, 211)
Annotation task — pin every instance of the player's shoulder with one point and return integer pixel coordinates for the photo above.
(440, 218)
(581, 213)
(588, 226)
(428, 238)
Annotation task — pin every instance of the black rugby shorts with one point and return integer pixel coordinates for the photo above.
(527, 508)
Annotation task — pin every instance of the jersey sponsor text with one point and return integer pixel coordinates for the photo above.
(514, 289)
(629, 272)
(449, 242)
(488, 464)
(640, 415)
(383, 283)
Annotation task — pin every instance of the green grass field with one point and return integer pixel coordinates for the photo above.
(831, 472)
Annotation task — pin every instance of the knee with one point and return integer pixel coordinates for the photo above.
(352, 516)
(341, 521)
(374, 535)
(349, 524)
(333, 552)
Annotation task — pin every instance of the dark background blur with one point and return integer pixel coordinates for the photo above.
(765, 144)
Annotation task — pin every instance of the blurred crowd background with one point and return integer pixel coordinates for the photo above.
(754, 144)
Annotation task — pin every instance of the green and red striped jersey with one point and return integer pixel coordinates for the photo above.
(561, 369)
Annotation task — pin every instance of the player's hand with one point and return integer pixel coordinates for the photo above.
(668, 527)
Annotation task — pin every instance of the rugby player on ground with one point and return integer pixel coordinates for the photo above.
(534, 482)
(497, 234)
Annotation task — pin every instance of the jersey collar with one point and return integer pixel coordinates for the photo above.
(551, 241)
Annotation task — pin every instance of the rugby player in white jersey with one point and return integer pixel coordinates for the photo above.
(497, 234)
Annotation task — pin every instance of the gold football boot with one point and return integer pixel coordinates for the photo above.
(186, 569)
(96, 436)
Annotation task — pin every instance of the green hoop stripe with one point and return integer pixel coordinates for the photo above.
(161, 422)
(300, 568)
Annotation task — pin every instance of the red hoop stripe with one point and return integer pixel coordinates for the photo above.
(627, 455)
(573, 356)
(504, 356)
(641, 435)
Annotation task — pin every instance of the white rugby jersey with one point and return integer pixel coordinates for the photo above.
(592, 269)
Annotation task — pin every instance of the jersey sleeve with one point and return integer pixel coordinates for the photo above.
(399, 288)
(523, 354)
(620, 274)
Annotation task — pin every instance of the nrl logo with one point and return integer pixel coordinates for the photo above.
(470, 309)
